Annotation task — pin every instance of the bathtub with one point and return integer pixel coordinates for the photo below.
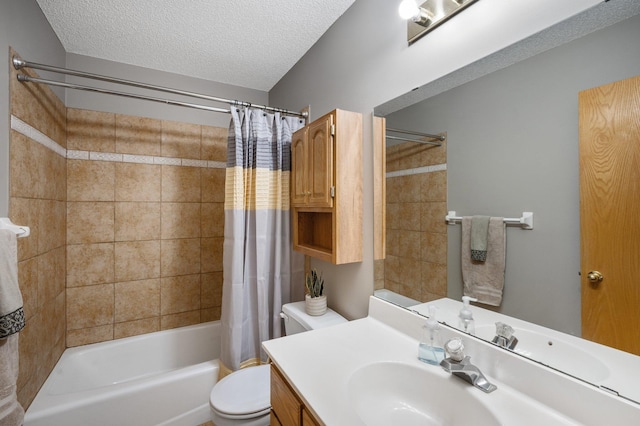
(161, 378)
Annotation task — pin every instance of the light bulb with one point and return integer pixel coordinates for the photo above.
(408, 9)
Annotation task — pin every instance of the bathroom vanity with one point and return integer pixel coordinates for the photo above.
(287, 408)
(366, 372)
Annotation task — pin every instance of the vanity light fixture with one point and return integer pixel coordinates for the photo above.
(424, 16)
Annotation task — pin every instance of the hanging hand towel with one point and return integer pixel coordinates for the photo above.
(11, 312)
(485, 280)
(479, 235)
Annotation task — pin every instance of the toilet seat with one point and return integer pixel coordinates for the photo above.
(243, 394)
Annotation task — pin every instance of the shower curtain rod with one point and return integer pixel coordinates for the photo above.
(26, 78)
(19, 64)
(408, 132)
(413, 140)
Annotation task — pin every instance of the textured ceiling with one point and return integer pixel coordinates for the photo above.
(218, 40)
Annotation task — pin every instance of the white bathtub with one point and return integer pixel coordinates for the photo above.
(161, 378)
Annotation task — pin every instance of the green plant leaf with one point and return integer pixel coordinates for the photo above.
(314, 283)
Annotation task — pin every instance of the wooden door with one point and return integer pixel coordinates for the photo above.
(320, 146)
(298, 168)
(609, 130)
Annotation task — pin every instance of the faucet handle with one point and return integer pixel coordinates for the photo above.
(504, 330)
(455, 349)
(504, 336)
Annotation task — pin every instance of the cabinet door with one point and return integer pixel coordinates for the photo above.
(273, 420)
(298, 168)
(284, 403)
(320, 162)
(307, 419)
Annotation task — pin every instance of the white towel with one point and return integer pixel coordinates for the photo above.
(11, 412)
(485, 280)
(11, 312)
(11, 321)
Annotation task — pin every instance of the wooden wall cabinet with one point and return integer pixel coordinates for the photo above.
(326, 188)
(287, 408)
(312, 164)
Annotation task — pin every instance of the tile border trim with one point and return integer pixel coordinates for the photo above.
(37, 136)
(417, 170)
(34, 134)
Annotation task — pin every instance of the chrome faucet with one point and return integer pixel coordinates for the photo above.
(504, 336)
(461, 367)
(469, 372)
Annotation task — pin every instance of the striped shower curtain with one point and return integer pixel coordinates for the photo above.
(259, 264)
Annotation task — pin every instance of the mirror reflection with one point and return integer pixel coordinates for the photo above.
(512, 145)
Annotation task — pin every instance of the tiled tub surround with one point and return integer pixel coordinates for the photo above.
(38, 195)
(127, 219)
(416, 252)
(145, 225)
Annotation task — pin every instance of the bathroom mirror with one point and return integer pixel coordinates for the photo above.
(511, 147)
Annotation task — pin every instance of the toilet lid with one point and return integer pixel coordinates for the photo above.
(243, 392)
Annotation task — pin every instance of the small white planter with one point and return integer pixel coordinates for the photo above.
(315, 305)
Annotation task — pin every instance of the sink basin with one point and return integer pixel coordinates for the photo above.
(553, 352)
(392, 393)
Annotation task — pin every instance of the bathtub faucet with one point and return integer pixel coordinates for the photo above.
(459, 365)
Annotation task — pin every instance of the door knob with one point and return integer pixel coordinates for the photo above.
(595, 277)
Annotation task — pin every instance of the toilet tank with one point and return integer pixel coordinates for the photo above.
(296, 319)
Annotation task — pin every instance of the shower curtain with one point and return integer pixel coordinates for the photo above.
(259, 264)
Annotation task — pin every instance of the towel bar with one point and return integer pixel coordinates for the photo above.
(525, 221)
(21, 231)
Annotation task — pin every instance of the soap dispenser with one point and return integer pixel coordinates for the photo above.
(466, 322)
(431, 349)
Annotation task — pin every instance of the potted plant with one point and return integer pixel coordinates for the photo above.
(315, 301)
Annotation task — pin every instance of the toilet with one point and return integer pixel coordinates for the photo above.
(243, 397)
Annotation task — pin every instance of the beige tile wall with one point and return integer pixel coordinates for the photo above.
(38, 193)
(144, 241)
(116, 249)
(416, 251)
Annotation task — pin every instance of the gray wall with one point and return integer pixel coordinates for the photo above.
(23, 27)
(513, 146)
(364, 61)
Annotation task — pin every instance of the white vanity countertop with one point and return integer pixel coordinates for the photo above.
(590, 361)
(319, 364)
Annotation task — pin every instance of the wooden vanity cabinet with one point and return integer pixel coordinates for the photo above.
(287, 408)
(326, 188)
